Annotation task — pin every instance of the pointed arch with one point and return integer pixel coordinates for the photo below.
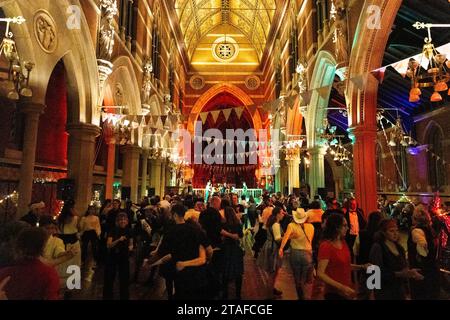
(322, 76)
(218, 89)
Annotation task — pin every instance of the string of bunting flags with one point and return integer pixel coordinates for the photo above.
(163, 121)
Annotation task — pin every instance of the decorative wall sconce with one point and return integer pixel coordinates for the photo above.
(17, 83)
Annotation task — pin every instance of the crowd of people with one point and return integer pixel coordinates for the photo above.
(199, 246)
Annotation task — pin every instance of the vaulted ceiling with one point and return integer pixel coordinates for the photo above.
(252, 18)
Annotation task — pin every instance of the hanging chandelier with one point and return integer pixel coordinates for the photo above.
(339, 152)
(398, 136)
(438, 73)
(328, 133)
(17, 83)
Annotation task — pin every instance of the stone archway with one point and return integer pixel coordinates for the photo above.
(367, 55)
(322, 77)
(70, 46)
(214, 91)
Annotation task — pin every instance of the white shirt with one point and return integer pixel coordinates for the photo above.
(276, 229)
(90, 222)
(53, 248)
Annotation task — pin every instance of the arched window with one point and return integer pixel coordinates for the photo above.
(402, 176)
(379, 163)
(294, 49)
(156, 47)
(278, 82)
(436, 172)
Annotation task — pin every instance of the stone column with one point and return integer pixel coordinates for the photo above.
(169, 175)
(81, 156)
(294, 172)
(144, 176)
(163, 179)
(131, 169)
(110, 167)
(364, 166)
(32, 112)
(155, 175)
(316, 169)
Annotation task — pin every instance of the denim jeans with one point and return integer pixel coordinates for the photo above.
(303, 269)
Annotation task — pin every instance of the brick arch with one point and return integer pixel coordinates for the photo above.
(218, 89)
(367, 53)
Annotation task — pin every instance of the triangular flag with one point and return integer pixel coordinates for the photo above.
(238, 112)
(174, 119)
(204, 116)
(379, 74)
(215, 115)
(148, 120)
(226, 113)
(306, 97)
(159, 124)
(163, 119)
(290, 101)
(143, 124)
(360, 81)
(324, 91)
(252, 110)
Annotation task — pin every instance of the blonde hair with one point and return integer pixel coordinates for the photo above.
(421, 215)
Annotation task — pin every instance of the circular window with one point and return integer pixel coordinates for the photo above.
(252, 82)
(225, 49)
(197, 82)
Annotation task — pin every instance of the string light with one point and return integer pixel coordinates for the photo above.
(9, 196)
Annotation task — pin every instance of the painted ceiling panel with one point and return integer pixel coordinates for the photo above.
(198, 17)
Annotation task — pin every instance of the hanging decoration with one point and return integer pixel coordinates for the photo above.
(13, 195)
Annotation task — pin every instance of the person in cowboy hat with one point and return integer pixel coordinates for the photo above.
(300, 234)
(35, 213)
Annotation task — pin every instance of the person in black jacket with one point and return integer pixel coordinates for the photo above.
(355, 220)
(390, 257)
(211, 222)
(361, 249)
(119, 243)
(423, 246)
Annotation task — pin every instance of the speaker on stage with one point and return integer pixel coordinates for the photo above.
(65, 189)
(125, 193)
